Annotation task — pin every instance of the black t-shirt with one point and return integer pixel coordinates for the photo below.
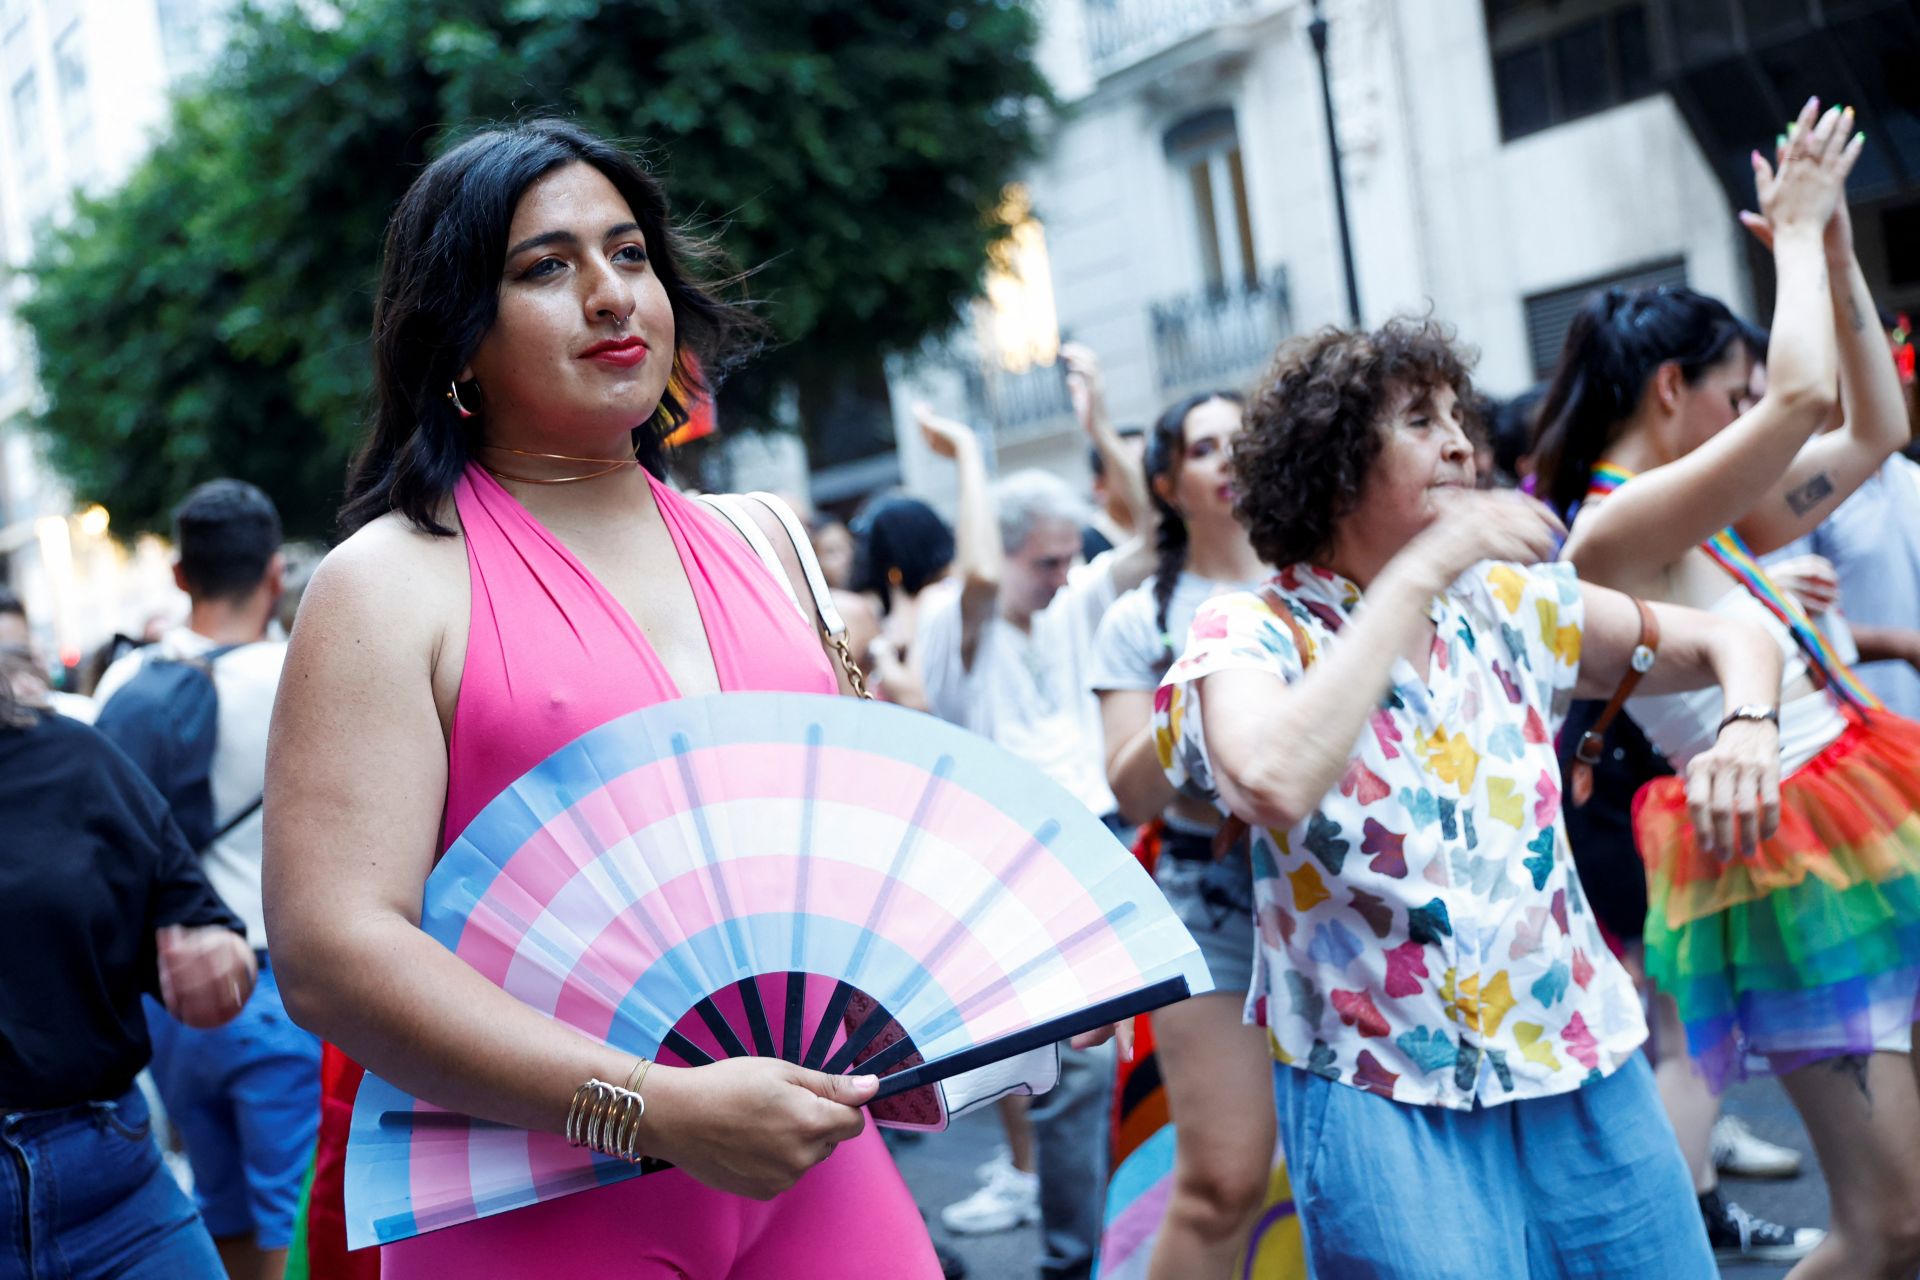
(91, 864)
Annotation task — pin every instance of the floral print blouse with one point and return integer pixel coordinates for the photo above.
(1422, 933)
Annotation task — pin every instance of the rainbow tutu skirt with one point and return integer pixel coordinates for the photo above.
(1810, 946)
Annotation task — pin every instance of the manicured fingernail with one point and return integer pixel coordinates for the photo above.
(1793, 130)
(1861, 136)
(1779, 141)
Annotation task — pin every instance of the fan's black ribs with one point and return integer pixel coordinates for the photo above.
(686, 1050)
(796, 1014)
(730, 1045)
(823, 1032)
(859, 1038)
(757, 1019)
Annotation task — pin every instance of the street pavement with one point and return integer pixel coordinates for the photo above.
(940, 1169)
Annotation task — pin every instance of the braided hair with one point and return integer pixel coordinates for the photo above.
(1166, 450)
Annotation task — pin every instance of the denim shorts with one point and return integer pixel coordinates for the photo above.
(245, 1099)
(1587, 1184)
(1214, 899)
(83, 1192)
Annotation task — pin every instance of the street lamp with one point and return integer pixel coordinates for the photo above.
(1317, 29)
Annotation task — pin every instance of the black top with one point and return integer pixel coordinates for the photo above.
(91, 864)
(1601, 830)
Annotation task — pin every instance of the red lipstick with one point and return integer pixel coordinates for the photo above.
(621, 353)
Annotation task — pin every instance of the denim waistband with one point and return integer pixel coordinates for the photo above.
(34, 1123)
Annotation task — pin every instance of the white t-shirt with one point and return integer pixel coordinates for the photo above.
(246, 680)
(1027, 690)
(1130, 651)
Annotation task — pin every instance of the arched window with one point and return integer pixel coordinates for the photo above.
(1204, 150)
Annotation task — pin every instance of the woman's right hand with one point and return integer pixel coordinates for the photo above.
(751, 1126)
(1474, 526)
(1810, 183)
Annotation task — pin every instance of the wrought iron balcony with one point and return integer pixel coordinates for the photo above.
(1125, 31)
(1219, 337)
(1016, 405)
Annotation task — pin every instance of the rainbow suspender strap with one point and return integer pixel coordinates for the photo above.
(1730, 551)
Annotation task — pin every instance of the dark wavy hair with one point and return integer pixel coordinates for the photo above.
(1314, 427)
(896, 534)
(1166, 452)
(445, 249)
(1615, 343)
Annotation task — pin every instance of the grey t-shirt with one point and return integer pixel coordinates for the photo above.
(1130, 651)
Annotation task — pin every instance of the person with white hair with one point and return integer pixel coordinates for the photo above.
(1005, 652)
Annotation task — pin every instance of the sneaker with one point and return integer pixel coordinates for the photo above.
(988, 1170)
(1741, 1153)
(1009, 1199)
(1738, 1236)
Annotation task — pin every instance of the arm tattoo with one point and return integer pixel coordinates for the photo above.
(1855, 315)
(1810, 495)
(1854, 1065)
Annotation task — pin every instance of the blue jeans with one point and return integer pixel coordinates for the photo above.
(245, 1098)
(83, 1193)
(1586, 1185)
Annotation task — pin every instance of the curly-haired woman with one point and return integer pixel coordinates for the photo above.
(1459, 1089)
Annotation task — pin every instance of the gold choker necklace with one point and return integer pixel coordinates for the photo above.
(610, 465)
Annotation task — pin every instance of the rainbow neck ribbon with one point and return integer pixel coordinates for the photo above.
(1730, 551)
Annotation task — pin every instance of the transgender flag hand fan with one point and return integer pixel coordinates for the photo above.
(843, 884)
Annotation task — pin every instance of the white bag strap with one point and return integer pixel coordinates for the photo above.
(727, 507)
(809, 563)
(833, 627)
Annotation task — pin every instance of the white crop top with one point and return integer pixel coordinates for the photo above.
(1681, 725)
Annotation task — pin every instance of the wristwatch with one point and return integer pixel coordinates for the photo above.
(1751, 711)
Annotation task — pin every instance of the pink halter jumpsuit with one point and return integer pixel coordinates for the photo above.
(551, 655)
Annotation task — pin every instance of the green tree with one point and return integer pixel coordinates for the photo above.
(211, 316)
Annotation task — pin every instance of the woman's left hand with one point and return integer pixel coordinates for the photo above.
(1733, 789)
(206, 973)
(1810, 579)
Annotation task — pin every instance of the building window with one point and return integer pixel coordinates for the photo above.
(76, 110)
(1204, 151)
(1549, 314)
(27, 142)
(1559, 60)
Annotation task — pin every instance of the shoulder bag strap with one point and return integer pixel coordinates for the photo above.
(726, 506)
(1587, 754)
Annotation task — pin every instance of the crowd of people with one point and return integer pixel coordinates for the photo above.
(1465, 739)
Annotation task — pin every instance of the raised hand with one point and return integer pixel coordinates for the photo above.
(206, 973)
(1085, 386)
(1803, 193)
(751, 1126)
(943, 435)
(1475, 526)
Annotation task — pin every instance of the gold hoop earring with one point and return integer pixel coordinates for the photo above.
(453, 394)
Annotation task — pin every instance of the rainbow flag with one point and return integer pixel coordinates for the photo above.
(1730, 551)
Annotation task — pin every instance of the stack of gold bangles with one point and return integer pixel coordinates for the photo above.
(606, 1117)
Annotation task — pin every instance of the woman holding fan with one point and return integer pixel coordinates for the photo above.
(1804, 947)
(517, 575)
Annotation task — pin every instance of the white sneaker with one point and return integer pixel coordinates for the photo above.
(987, 1170)
(1741, 1153)
(1009, 1199)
